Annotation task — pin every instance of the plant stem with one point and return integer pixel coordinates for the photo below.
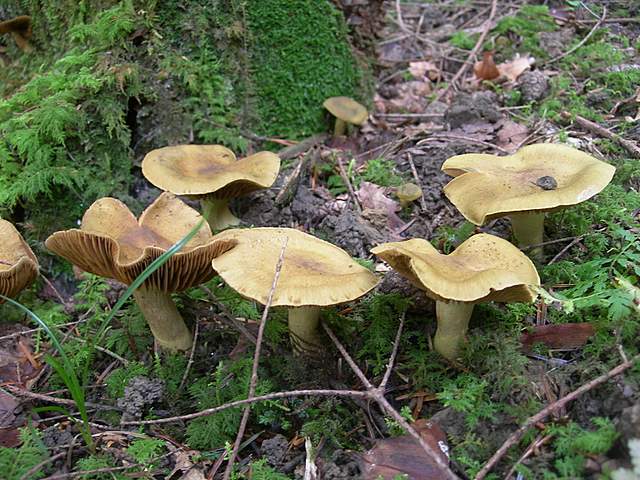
(453, 322)
(303, 330)
(528, 228)
(161, 313)
(216, 212)
(339, 128)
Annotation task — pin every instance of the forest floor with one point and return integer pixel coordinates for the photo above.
(568, 72)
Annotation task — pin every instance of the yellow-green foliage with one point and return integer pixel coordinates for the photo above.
(65, 129)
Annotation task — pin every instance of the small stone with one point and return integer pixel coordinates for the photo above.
(547, 183)
(140, 392)
(479, 107)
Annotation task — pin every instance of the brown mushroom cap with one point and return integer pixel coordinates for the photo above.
(346, 109)
(113, 244)
(539, 178)
(314, 272)
(20, 28)
(18, 264)
(483, 268)
(209, 169)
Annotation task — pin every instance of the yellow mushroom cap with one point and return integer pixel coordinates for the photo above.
(540, 178)
(113, 244)
(408, 192)
(346, 109)
(483, 268)
(314, 272)
(209, 169)
(18, 264)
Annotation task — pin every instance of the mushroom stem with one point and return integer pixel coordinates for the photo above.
(303, 330)
(166, 323)
(339, 128)
(453, 322)
(216, 212)
(528, 229)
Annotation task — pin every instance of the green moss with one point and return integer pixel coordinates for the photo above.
(299, 57)
(524, 27)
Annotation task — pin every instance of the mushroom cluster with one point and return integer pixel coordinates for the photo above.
(211, 174)
(112, 243)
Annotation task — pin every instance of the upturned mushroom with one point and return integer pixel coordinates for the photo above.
(483, 268)
(20, 30)
(113, 244)
(407, 193)
(537, 179)
(347, 111)
(18, 264)
(212, 174)
(314, 274)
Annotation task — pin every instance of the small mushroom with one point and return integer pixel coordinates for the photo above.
(407, 193)
(346, 110)
(212, 174)
(18, 264)
(537, 179)
(20, 30)
(483, 268)
(113, 244)
(314, 274)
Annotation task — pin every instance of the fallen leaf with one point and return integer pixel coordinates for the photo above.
(486, 68)
(403, 455)
(511, 135)
(377, 207)
(558, 337)
(516, 67)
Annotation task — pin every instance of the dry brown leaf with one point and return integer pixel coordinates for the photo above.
(486, 68)
(511, 135)
(516, 67)
(403, 455)
(558, 337)
(377, 207)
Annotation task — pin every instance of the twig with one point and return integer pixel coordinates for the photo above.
(446, 136)
(246, 401)
(256, 360)
(402, 116)
(226, 313)
(60, 401)
(380, 399)
(32, 471)
(593, 127)
(467, 63)
(190, 362)
(545, 412)
(583, 41)
(537, 443)
(394, 352)
(565, 250)
(416, 177)
(347, 182)
(551, 242)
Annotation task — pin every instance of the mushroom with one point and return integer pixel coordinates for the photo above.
(212, 174)
(314, 274)
(408, 193)
(346, 110)
(113, 244)
(18, 264)
(483, 268)
(536, 179)
(20, 30)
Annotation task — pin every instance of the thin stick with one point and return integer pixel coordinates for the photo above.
(394, 352)
(550, 242)
(60, 401)
(32, 471)
(575, 241)
(538, 442)
(468, 62)
(239, 403)
(446, 136)
(380, 399)
(190, 362)
(593, 127)
(583, 41)
(416, 177)
(347, 182)
(545, 412)
(256, 360)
